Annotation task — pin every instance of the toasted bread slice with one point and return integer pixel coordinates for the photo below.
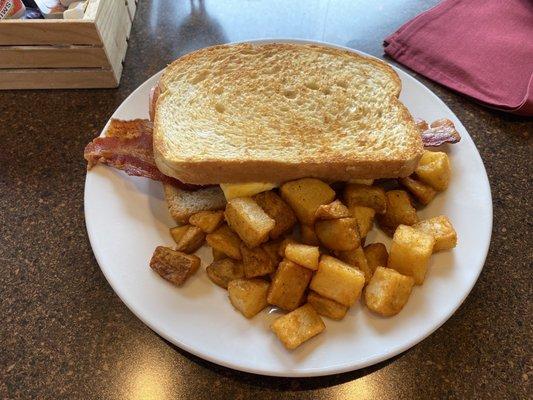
(183, 203)
(277, 112)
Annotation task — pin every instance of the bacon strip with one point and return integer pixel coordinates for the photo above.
(439, 132)
(128, 146)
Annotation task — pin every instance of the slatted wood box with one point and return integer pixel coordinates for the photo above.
(59, 54)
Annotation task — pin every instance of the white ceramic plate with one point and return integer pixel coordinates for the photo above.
(127, 218)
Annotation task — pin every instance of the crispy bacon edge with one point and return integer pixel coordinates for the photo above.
(439, 132)
(128, 146)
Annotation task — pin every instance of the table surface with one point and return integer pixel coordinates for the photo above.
(65, 334)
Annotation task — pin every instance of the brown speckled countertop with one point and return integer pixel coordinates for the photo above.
(65, 334)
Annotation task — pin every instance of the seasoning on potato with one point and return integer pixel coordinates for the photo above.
(222, 272)
(305, 196)
(298, 326)
(388, 291)
(225, 241)
(249, 296)
(262, 258)
(442, 231)
(288, 285)
(400, 211)
(410, 252)
(174, 266)
(338, 281)
(338, 234)
(248, 220)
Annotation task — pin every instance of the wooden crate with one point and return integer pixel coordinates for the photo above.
(59, 54)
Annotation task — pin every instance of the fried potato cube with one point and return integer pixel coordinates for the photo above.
(410, 252)
(178, 232)
(388, 291)
(288, 285)
(366, 196)
(326, 307)
(191, 240)
(441, 229)
(248, 220)
(422, 192)
(217, 254)
(207, 221)
(284, 244)
(278, 210)
(364, 217)
(174, 266)
(356, 258)
(309, 236)
(305, 196)
(256, 262)
(301, 254)
(272, 249)
(296, 327)
(338, 234)
(332, 210)
(368, 182)
(400, 211)
(376, 255)
(249, 296)
(225, 241)
(224, 271)
(434, 169)
(338, 281)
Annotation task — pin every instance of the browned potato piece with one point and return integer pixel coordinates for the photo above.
(309, 236)
(256, 262)
(357, 259)
(326, 307)
(224, 271)
(174, 266)
(298, 326)
(248, 220)
(434, 169)
(305, 196)
(367, 182)
(284, 244)
(366, 196)
(248, 295)
(288, 285)
(422, 192)
(178, 232)
(364, 217)
(338, 281)
(218, 255)
(225, 241)
(278, 210)
(301, 254)
(441, 229)
(207, 221)
(338, 234)
(399, 211)
(410, 252)
(193, 238)
(388, 291)
(272, 249)
(332, 210)
(376, 255)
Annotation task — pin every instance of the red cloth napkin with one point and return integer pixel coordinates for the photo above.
(480, 48)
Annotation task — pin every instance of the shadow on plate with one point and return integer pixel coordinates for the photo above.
(284, 384)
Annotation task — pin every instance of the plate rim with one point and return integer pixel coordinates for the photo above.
(309, 372)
